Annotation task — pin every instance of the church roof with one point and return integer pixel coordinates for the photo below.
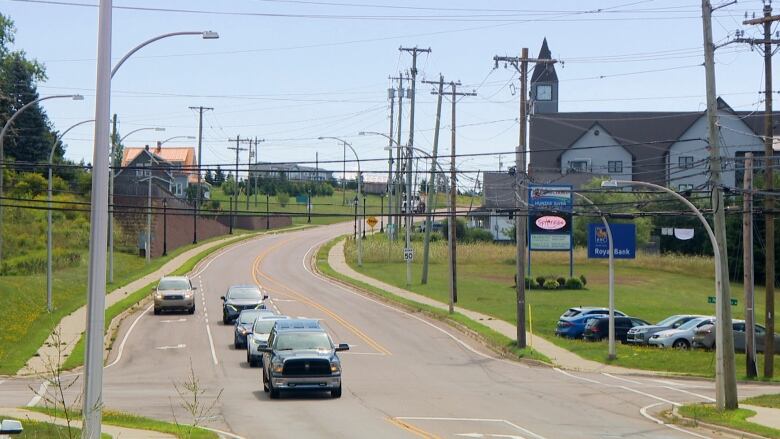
(544, 72)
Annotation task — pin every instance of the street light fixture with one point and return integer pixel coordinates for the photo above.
(6, 127)
(96, 281)
(359, 189)
(177, 137)
(724, 347)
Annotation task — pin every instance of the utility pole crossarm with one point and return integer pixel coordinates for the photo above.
(762, 20)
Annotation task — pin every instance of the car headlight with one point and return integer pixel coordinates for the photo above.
(335, 367)
(242, 330)
(277, 367)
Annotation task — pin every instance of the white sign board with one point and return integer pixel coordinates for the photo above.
(408, 254)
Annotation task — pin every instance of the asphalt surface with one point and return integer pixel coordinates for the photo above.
(404, 375)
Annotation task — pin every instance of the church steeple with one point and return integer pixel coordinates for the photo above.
(544, 84)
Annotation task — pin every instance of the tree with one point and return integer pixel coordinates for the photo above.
(209, 178)
(219, 176)
(282, 198)
(229, 186)
(30, 137)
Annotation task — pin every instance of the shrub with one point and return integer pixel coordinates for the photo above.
(561, 281)
(583, 279)
(35, 262)
(550, 285)
(573, 283)
(282, 198)
(540, 280)
(478, 235)
(530, 283)
(460, 229)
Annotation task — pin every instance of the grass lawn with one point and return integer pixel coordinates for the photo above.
(771, 401)
(25, 298)
(496, 340)
(729, 418)
(122, 419)
(651, 288)
(45, 430)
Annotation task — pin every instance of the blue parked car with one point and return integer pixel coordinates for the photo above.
(571, 324)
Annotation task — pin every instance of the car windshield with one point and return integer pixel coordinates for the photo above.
(669, 321)
(244, 293)
(571, 313)
(249, 316)
(302, 340)
(264, 326)
(173, 284)
(690, 324)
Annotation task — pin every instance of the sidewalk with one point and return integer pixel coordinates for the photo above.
(560, 357)
(766, 416)
(74, 324)
(115, 432)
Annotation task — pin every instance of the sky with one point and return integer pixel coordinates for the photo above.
(291, 71)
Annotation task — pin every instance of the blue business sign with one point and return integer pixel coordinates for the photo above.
(550, 197)
(549, 219)
(623, 236)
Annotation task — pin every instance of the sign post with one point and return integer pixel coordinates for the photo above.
(371, 222)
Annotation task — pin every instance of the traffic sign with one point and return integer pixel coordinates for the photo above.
(711, 299)
(408, 254)
(371, 221)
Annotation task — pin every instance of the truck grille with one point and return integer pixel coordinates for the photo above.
(174, 297)
(316, 367)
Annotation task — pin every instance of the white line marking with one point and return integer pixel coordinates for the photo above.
(577, 377)
(621, 379)
(672, 383)
(2, 381)
(225, 433)
(504, 421)
(643, 412)
(39, 394)
(211, 344)
(173, 321)
(178, 346)
(619, 387)
(690, 393)
(127, 335)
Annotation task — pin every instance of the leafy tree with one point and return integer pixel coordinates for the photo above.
(219, 176)
(229, 186)
(209, 177)
(283, 198)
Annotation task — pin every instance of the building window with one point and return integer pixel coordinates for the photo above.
(685, 162)
(579, 166)
(615, 167)
(684, 187)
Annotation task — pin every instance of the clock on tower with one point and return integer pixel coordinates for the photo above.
(544, 92)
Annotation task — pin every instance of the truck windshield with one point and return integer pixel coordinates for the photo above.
(302, 340)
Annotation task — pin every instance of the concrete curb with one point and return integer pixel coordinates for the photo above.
(720, 428)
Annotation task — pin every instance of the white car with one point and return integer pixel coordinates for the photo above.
(681, 337)
(258, 338)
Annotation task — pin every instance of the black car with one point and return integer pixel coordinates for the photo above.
(244, 324)
(598, 328)
(239, 298)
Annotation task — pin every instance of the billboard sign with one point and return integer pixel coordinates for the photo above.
(624, 241)
(550, 197)
(550, 219)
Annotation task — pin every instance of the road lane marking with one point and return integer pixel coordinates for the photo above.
(501, 421)
(256, 269)
(672, 383)
(690, 393)
(211, 344)
(698, 395)
(174, 321)
(411, 428)
(178, 346)
(127, 335)
(649, 395)
(223, 433)
(39, 394)
(643, 412)
(621, 378)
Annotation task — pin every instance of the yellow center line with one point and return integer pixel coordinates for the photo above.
(292, 293)
(411, 428)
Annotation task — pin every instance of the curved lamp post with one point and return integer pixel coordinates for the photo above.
(360, 193)
(96, 282)
(6, 127)
(723, 332)
(177, 137)
(49, 240)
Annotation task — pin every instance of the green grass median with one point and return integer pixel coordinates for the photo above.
(736, 419)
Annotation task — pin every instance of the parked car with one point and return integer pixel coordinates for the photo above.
(10, 426)
(244, 322)
(174, 292)
(705, 337)
(572, 323)
(301, 356)
(681, 337)
(598, 328)
(239, 298)
(641, 334)
(258, 338)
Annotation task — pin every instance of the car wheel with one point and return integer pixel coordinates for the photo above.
(265, 383)
(192, 309)
(157, 311)
(681, 344)
(225, 319)
(273, 393)
(336, 393)
(253, 362)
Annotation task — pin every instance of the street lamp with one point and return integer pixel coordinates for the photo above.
(75, 97)
(177, 137)
(725, 384)
(112, 173)
(359, 189)
(96, 281)
(49, 240)
(392, 230)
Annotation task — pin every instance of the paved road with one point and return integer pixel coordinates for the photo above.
(404, 376)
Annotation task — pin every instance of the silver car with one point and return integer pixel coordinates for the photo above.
(642, 334)
(174, 292)
(258, 338)
(682, 337)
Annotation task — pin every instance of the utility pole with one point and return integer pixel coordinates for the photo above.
(237, 149)
(250, 155)
(398, 180)
(199, 195)
(409, 218)
(769, 202)
(112, 161)
(725, 367)
(747, 256)
(391, 96)
(431, 183)
(521, 179)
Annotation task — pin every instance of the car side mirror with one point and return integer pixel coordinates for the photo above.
(193, 288)
(265, 349)
(10, 426)
(342, 347)
(222, 297)
(265, 296)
